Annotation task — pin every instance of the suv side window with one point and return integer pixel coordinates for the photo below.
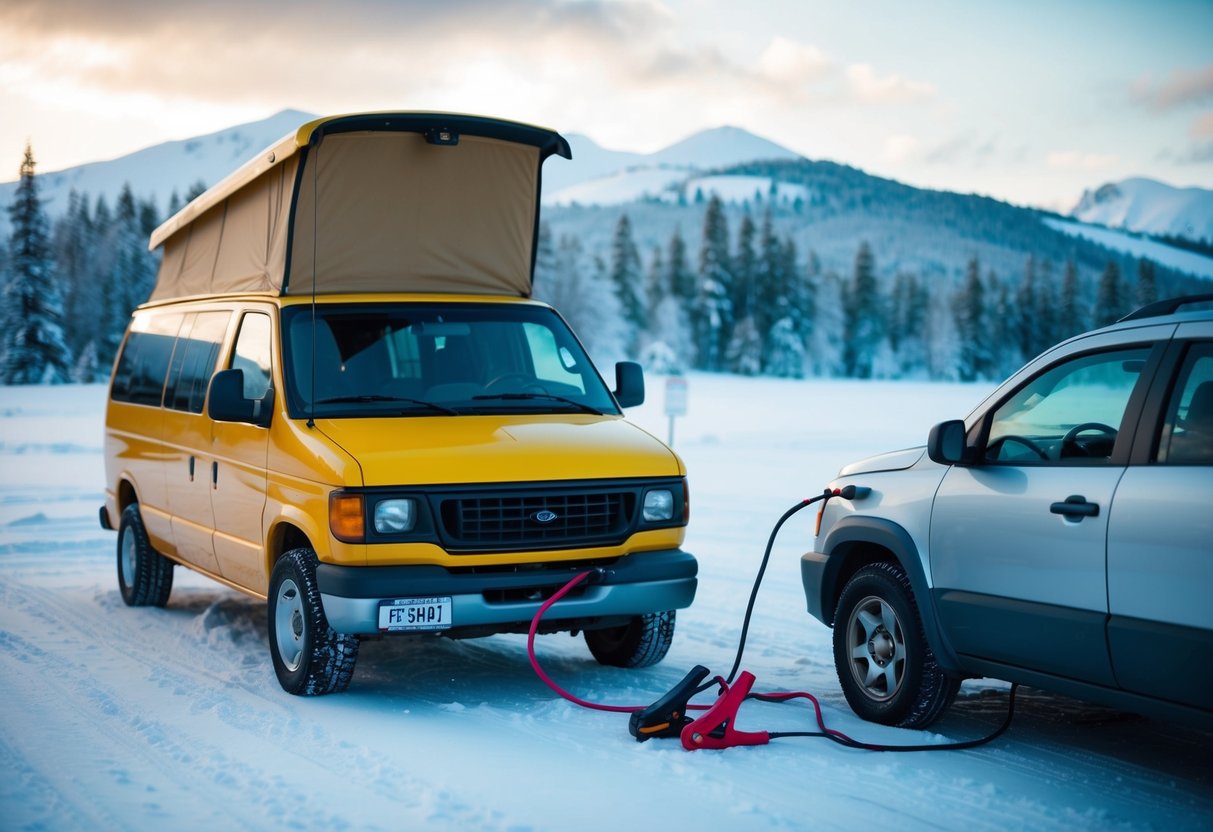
(1187, 434)
(1071, 413)
(252, 354)
(194, 361)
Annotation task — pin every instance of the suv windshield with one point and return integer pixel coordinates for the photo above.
(427, 359)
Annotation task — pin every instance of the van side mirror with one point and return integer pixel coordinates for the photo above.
(629, 384)
(226, 402)
(946, 443)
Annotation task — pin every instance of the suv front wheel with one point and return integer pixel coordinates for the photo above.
(886, 668)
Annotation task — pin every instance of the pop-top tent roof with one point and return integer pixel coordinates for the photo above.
(374, 202)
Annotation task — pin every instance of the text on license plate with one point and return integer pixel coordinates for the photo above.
(415, 614)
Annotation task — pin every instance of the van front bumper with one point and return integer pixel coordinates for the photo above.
(635, 584)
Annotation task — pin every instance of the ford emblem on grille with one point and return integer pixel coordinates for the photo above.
(544, 516)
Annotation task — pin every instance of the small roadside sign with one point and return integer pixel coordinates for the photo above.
(675, 401)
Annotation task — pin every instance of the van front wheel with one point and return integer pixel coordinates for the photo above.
(145, 577)
(310, 658)
(641, 642)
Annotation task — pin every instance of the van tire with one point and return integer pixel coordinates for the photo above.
(145, 577)
(310, 658)
(890, 677)
(641, 642)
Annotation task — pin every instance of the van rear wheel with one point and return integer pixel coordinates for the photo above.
(145, 577)
(310, 657)
(641, 642)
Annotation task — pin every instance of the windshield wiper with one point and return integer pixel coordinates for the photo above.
(375, 397)
(513, 397)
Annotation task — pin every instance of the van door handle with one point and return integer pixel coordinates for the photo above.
(214, 475)
(191, 469)
(1075, 505)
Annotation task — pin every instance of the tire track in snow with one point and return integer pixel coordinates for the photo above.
(152, 736)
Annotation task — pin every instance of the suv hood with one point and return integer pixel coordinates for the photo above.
(892, 461)
(444, 450)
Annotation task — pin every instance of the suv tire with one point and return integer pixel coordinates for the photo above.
(145, 577)
(641, 642)
(886, 668)
(310, 657)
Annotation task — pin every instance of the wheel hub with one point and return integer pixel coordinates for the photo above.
(881, 647)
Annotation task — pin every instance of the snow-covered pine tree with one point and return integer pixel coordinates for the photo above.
(1071, 315)
(1045, 332)
(744, 295)
(1146, 290)
(772, 279)
(75, 254)
(744, 354)
(196, 190)
(655, 289)
(1109, 303)
(826, 343)
(969, 308)
(681, 279)
(864, 318)
(35, 350)
(1027, 322)
(785, 355)
(628, 279)
(908, 316)
(711, 313)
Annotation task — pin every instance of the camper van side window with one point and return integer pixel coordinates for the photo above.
(139, 378)
(253, 354)
(194, 361)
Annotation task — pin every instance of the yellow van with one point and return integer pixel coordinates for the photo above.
(340, 398)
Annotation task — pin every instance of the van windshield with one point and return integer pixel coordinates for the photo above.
(429, 359)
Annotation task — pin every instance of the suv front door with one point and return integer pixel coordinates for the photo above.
(1018, 538)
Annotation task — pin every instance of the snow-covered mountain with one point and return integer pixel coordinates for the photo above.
(1149, 206)
(155, 172)
(597, 176)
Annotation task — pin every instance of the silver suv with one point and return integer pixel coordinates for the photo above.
(1060, 536)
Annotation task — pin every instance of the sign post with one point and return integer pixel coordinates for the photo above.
(675, 401)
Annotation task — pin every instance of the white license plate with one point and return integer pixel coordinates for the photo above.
(415, 614)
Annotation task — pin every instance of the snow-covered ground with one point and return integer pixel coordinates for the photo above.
(117, 718)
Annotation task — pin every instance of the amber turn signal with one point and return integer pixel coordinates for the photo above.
(347, 517)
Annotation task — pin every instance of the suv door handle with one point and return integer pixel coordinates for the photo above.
(1075, 505)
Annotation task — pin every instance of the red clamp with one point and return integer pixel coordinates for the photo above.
(715, 728)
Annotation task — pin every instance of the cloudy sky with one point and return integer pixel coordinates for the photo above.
(1026, 100)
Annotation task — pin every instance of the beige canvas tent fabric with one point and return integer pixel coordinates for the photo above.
(237, 245)
(396, 213)
(375, 211)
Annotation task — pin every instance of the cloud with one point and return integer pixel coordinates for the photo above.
(968, 148)
(1077, 160)
(867, 86)
(1181, 87)
(788, 62)
(1202, 127)
(900, 148)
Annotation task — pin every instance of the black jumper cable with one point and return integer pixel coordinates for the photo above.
(716, 728)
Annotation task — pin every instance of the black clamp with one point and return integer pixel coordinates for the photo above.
(667, 716)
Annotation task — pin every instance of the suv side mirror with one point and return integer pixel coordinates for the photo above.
(226, 402)
(629, 384)
(946, 443)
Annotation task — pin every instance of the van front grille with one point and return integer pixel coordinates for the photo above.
(537, 520)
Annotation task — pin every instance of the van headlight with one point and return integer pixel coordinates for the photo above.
(658, 505)
(395, 516)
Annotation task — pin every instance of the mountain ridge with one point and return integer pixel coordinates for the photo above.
(1149, 206)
